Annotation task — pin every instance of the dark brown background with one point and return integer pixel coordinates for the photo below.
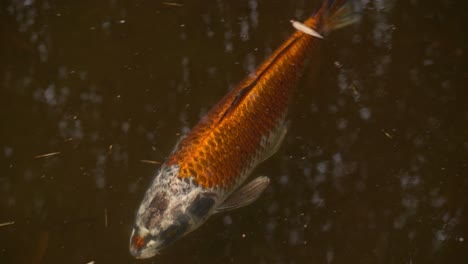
(373, 169)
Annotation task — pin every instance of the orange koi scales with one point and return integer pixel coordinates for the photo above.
(236, 134)
(205, 173)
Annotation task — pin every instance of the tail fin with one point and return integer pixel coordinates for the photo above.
(336, 14)
(333, 14)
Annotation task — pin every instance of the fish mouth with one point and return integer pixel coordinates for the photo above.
(141, 247)
(147, 246)
(143, 254)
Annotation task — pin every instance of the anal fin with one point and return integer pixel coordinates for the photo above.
(245, 195)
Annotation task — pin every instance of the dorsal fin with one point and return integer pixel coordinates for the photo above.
(239, 96)
(245, 90)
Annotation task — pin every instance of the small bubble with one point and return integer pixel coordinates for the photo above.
(284, 179)
(365, 113)
(105, 25)
(7, 151)
(428, 62)
(227, 220)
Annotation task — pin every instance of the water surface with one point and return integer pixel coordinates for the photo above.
(373, 168)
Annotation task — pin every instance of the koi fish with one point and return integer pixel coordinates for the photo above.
(205, 173)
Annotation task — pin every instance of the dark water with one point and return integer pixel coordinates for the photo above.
(373, 169)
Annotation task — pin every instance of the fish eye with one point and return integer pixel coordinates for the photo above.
(171, 231)
(169, 235)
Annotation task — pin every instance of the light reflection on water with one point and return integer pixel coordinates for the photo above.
(372, 169)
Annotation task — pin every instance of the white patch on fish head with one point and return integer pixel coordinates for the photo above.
(171, 208)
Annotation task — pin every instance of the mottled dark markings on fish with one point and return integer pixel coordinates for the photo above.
(201, 206)
(215, 159)
(195, 183)
(156, 208)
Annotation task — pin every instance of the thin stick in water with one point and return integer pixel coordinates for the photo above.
(150, 161)
(105, 217)
(172, 4)
(7, 223)
(46, 155)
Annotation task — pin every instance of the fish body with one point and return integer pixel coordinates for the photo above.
(207, 169)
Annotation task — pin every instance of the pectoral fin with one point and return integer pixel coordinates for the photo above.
(276, 143)
(245, 195)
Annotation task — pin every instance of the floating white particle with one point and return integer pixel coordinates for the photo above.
(305, 29)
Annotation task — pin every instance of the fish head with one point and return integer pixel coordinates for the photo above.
(171, 208)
